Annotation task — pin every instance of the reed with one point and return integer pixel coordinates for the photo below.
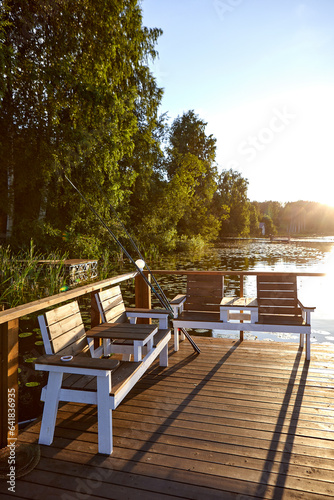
(24, 279)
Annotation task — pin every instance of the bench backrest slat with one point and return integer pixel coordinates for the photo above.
(63, 330)
(277, 299)
(204, 293)
(111, 305)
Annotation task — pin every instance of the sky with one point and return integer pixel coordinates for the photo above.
(261, 74)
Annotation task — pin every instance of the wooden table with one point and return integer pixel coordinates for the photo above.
(134, 335)
(229, 304)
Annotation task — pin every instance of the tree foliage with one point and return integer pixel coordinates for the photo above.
(191, 162)
(77, 91)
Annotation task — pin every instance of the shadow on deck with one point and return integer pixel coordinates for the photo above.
(239, 421)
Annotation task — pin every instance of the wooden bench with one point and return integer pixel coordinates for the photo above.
(275, 309)
(199, 307)
(86, 378)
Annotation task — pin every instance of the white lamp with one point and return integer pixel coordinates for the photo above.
(140, 263)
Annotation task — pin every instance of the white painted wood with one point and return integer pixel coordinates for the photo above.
(93, 372)
(254, 315)
(163, 317)
(104, 414)
(52, 397)
(308, 346)
(163, 357)
(224, 314)
(177, 304)
(149, 343)
(137, 350)
(176, 338)
(144, 365)
(77, 396)
(251, 327)
(74, 396)
(45, 335)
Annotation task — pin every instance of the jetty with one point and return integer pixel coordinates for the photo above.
(280, 239)
(241, 420)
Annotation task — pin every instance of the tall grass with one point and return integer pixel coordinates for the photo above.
(23, 278)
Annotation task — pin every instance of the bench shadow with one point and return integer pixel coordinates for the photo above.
(186, 401)
(275, 444)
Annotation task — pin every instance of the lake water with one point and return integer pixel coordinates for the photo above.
(314, 255)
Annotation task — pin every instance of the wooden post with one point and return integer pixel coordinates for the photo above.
(143, 296)
(241, 295)
(9, 356)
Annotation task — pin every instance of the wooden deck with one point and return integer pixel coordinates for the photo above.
(238, 421)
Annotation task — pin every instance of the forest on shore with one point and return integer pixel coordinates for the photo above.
(78, 100)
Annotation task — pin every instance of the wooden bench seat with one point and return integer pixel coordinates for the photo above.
(119, 377)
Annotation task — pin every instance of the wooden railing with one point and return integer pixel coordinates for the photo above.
(9, 346)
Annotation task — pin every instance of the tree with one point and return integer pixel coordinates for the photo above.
(232, 193)
(270, 227)
(254, 228)
(77, 90)
(191, 163)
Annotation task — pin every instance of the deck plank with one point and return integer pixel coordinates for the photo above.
(239, 421)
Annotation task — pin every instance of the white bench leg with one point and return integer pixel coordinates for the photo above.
(104, 414)
(308, 346)
(50, 408)
(163, 356)
(224, 315)
(301, 341)
(176, 339)
(163, 323)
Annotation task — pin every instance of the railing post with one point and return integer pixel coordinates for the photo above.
(9, 357)
(241, 295)
(143, 296)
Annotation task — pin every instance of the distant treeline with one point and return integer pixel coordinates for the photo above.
(78, 99)
(299, 217)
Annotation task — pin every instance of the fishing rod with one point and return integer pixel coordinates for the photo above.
(118, 242)
(166, 304)
(166, 301)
